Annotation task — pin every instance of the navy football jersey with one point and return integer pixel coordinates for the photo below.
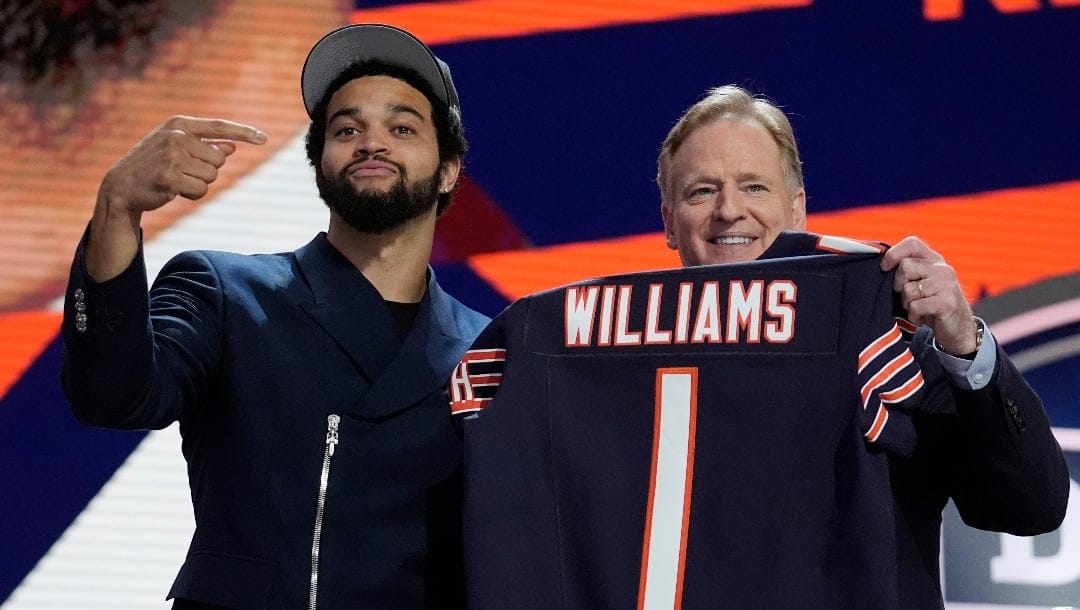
(708, 437)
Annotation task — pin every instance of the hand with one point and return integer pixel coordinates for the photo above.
(931, 294)
(180, 157)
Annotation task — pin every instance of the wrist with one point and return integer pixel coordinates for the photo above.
(980, 329)
(112, 241)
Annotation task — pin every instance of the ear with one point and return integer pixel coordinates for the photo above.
(669, 224)
(448, 174)
(798, 211)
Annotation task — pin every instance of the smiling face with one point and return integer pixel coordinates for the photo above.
(380, 161)
(726, 199)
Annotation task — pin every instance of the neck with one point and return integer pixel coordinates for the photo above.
(394, 262)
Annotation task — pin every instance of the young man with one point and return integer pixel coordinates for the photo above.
(731, 181)
(309, 385)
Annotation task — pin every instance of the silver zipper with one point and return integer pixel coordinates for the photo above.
(332, 422)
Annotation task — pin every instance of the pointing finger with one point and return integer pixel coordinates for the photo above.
(217, 129)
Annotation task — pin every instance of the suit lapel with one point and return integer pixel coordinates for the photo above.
(423, 364)
(400, 371)
(348, 308)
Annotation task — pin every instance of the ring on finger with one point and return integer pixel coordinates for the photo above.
(922, 293)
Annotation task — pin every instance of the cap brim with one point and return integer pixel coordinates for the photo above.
(345, 46)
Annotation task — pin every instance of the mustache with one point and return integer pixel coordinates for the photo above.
(381, 159)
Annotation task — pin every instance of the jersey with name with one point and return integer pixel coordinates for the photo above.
(708, 437)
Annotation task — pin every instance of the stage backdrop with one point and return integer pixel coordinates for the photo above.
(955, 120)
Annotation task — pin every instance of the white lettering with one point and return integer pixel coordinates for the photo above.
(653, 334)
(744, 311)
(607, 309)
(623, 336)
(779, 305)
(707, 323)
(752, 311)
(460, 386)
(580, 312)
(682, 317)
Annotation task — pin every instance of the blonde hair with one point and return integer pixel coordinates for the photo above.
(734, 101)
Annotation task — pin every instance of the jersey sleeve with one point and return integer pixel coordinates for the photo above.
(476, 378)
(890, 380)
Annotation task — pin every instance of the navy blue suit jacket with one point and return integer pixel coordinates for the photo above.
(252, 354)
(990, 451)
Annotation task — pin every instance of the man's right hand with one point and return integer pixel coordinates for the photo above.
(180, 157)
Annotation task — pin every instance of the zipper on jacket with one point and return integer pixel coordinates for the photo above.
(332, 422)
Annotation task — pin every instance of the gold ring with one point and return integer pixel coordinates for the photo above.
(922, 295)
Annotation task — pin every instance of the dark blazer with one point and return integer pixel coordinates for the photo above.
(252, 355)
(991, 451)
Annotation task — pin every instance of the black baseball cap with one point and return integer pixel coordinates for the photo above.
(347, 45)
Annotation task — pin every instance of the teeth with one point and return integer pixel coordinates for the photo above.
(732, 241)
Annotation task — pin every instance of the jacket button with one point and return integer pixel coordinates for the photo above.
(1015, 413)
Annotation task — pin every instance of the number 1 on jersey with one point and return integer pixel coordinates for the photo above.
(667, 515)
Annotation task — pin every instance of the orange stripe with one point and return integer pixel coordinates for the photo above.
(942, 10)
(25, 335)
(448, 22)
(886, 373)
(996, 241)
(946, 10)
(485, 355)
(879, 424)
(877, 346)
(906, 325)
(688, 491)
(475, 404)
(688, 483)
(905, 391)
(522, 272)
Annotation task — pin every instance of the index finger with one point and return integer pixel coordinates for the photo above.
(217, 129)
(909, 247)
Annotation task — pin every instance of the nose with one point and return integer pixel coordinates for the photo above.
(728, 207)
(370, 144)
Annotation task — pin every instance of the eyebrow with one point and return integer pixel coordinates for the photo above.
(398, 108)
(752, 176)
(354, 112)
(711, 179)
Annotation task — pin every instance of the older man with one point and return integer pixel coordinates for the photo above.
(731, 181)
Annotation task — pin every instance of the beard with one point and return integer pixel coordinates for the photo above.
(377, 212)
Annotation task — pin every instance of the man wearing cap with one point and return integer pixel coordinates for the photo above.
(323, 464)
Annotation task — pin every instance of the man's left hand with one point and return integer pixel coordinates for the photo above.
(931, 294)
